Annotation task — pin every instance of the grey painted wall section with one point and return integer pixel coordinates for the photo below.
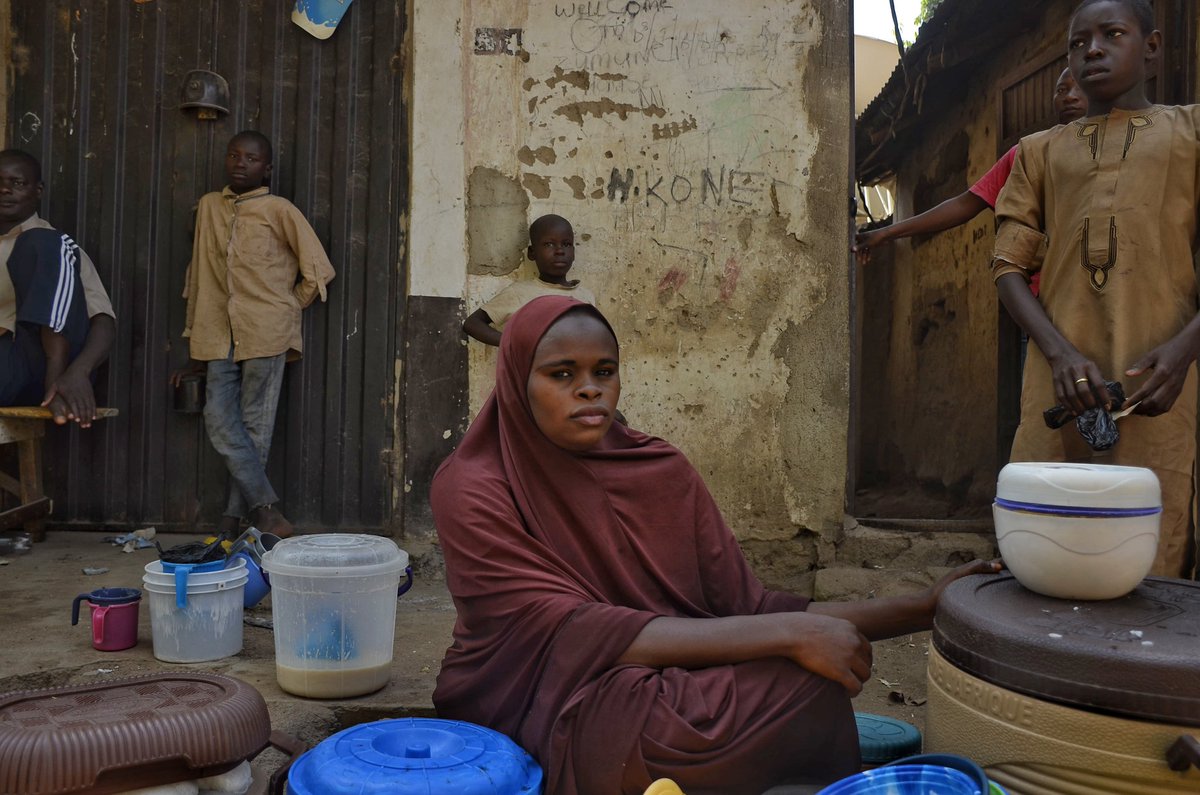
(435, 402)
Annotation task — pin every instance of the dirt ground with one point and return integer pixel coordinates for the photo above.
(42, 649)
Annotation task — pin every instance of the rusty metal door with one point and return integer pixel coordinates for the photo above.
(96, 97)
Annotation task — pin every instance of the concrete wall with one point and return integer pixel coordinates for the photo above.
(431, 375)
(702, 157)
(931, 419)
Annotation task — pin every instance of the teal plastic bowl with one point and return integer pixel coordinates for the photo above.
(883, 740)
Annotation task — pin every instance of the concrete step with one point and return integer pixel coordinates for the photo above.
(870, 562)
(874, 548)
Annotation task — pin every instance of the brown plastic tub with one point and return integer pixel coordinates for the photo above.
(128, 733)
(1063, 697)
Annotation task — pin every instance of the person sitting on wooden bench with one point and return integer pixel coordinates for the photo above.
(56, 321)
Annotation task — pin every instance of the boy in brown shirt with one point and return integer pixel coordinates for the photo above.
(1113, 197)
(552, 249)
(256, 263)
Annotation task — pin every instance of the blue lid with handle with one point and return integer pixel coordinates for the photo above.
(182, 570)
(416, 756)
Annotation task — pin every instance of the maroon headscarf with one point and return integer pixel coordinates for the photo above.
(556, 561)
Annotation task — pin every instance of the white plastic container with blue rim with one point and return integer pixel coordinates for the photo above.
(415, 756)
(1078, 531)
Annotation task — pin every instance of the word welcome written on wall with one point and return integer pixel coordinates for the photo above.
(612, 34)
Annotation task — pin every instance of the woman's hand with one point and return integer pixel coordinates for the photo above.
(832, 648)
(934, 592)
(828, 646)
(892, 616)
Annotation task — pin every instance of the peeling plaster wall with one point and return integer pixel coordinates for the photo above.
(702, 157)
(431, 374)
(437, 234)
(934, 413)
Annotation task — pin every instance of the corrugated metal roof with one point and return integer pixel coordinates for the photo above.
(933, 74)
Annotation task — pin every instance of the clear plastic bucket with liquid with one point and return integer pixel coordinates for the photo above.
(333, 603)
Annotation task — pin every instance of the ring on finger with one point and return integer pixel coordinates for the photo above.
(1083, 380)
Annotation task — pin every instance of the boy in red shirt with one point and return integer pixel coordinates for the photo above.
(1069, 104)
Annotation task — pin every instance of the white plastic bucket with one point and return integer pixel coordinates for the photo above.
(209, 627)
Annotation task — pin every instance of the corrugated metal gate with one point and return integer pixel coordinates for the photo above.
(95, 95)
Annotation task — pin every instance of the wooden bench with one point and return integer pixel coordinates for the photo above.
(25, 426)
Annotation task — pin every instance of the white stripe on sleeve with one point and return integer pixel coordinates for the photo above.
(65, 291)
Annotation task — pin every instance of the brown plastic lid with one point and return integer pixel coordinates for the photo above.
(128, 733)
(1136, 657)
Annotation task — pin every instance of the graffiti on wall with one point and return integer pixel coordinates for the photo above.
(690, 109)
(619, 35)
(665, 119)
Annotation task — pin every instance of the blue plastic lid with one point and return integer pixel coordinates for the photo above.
(884, 740)
(212, 565)
(415, 756)
(104, 597)
(113, 596)
(905, 780)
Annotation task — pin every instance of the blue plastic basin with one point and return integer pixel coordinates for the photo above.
(906, 780)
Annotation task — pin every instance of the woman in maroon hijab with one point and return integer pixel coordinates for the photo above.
(607, 620)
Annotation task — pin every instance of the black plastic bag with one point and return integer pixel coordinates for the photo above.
(193, 552)
(1096, 426)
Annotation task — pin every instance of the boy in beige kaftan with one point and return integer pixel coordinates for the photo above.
(1117, 197)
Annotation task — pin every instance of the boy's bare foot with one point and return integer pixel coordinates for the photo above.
(268, 519)
(229, 526)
